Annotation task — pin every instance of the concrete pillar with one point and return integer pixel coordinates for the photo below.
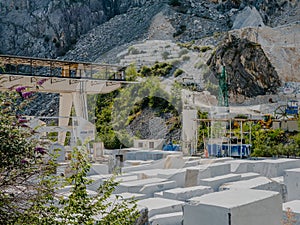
(65, 105)
(189, 131)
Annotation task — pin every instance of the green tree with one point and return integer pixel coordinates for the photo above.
(102, 208)
(103, 113)
(22, 164)
(29, 183)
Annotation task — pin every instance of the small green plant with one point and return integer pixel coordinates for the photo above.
(199, 65)
(183, 52)
(165, 55)
(175, 62)
(131, 73)
(132, 50)
(187, 45)
(205, 48)
(178, 72)
(158, 69)
(185, 58)
(180, 31)
(80, 208)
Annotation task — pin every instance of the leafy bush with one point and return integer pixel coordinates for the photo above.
(132, 50)
(183, 52)
(180, 31)
(104, 128)
(178, 72)
(131, 73)
(185, 58)
(158, 69)
(205, 48)
(165, 55)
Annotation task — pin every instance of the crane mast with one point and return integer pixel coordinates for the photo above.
(223, 89)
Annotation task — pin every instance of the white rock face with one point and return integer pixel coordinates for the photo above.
(281, 46)
(249, 17)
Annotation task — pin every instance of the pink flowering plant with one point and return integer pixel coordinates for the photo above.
(22, 162)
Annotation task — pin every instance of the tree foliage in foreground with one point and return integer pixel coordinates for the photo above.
(29, 184)
(22, 162)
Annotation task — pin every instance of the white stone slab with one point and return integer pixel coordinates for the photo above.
(258, 183)
(137, 162)
(143, 174)
(262, 183)
(191, 163)
(167, 219)
(171, 160)
(292, 182)
(219, 169)
(127, 195)
(177, 175)
(275, 167)
(158, 194)
(195, 174)
(242, 166)
(248, 176)
(98, 169)
(211, 161)
(182, 194)
(279, 179)
(135, 186)
(174, 161)
(295, 208)
(216, 182)
(127, 178)
(158, 206)
(97, 181)
(235, 207)
(150, 189)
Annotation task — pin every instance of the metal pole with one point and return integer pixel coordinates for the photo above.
(229, 146)
(241, 138)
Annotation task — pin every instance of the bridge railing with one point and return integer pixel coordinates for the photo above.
(57, 68)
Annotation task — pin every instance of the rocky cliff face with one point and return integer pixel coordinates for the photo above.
(249, 71)
(50, 28)
(46, 28)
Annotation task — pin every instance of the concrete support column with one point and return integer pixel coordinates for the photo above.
(65, 105)
(189, 131)
(80, 104)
